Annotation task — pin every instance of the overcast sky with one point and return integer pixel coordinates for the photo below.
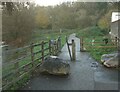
(50, 2)
(54, 2)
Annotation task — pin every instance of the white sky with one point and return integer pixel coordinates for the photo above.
(55, 2)
(50, 2)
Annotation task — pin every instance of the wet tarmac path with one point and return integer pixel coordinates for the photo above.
(86, 74)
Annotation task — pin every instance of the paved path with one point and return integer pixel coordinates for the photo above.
(86, 74)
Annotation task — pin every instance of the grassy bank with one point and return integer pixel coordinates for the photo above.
(88, 34)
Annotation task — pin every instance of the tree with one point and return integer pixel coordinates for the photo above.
(41, 18)
(18, 25)
(103, 23)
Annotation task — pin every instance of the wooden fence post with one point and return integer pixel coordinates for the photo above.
(52, 42)
(32, 54)
(16, 73)
(118, 44)
(55, 48)
(73, 50)
(81, 43)
(116, 41)
(59, 44)
(68, 48)
(42, 48)
(50, 47)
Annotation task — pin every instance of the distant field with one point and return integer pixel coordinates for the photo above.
(40, 35)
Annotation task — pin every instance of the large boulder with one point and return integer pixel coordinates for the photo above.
(106, 57)
(110, 60)
(54, 65)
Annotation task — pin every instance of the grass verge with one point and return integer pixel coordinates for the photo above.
(94, 32)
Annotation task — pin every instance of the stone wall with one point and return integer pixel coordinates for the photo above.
(114, 31)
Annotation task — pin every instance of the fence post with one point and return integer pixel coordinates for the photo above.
(50, 47)
(81, 43)
(42, 48)
(118, 44)
(55, 47)
(16, 73)
(73, 50)
(68, 48)
(116, 40)
(59, 44)
(32, 54)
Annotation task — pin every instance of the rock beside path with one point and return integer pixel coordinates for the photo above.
(110, 60)
(54, 65)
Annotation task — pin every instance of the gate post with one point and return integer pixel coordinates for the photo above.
(50, 47)
(55, 48)
(116, 41)
(32, 55)
(42, 48)
(81, 44)
(68, 48)
(73, 50)
(59, 44)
